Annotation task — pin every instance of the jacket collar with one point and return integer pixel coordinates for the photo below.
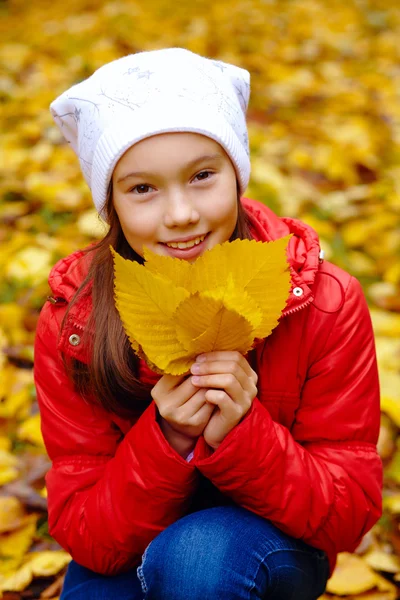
(303, 250)
(303, 257)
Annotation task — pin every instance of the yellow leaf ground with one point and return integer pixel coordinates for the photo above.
(324, 134)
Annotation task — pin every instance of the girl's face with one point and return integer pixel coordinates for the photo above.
(176, 195)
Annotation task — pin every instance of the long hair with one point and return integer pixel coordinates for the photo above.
(111, 377)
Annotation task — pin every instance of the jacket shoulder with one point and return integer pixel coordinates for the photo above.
(68, 273)
(330, 286)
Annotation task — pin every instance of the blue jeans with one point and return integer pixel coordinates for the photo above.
(223, 553)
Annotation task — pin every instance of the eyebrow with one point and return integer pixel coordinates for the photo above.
(190, 165)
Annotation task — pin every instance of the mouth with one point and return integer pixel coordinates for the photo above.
(183, 245)
(190, 248)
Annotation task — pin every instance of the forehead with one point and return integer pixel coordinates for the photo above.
(169, 150)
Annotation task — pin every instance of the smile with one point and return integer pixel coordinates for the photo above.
(183, 245)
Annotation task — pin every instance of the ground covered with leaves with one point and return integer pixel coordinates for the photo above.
(325, 138)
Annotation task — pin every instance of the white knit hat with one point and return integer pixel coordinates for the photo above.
(148, 93)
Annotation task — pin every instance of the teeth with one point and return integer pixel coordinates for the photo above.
(182, 245)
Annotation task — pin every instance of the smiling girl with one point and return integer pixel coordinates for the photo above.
(244, 478)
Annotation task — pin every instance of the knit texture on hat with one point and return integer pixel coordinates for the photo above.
(148, 93)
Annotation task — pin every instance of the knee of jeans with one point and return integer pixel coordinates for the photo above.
(296, 575)
(193, 558)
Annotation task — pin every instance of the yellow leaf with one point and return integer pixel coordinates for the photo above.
(176, 270)
(390, 394)
(388, 353)
(89, 223)
(356, 233)
(251, 264)
(146, 303)
(353, 576)
(392, 503)
(387, 433)
(43, 492)
(228, 331)
(383, 293)
(392, 274)
(14, 390)
(11, 513)
(259, 269)
(385, 323)
(392, 471)
(239, 301)
(36, 564)
(31, 265)
(360, 264)
(16, 54)
(382, 561)
(212, 327)
(47, 563)
(8, 467)
(3, 344)
(173, 310)
(193, 317)
(16, 581)
(14, 545)
(11, 321)
(374, 595)
(323, 227)
(8, 474)
(5, 443)
(30, 430)
(7, 459)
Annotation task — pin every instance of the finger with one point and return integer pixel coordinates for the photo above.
(193, 404)
(167, 383)
(226, 382)
(222, 367)
(227, 355)
(229, 410)
(203, 415)
(195, 409)
(178, 392)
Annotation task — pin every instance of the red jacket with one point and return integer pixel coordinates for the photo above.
(304, 456)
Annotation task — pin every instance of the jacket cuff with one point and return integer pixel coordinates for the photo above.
(147, 432)
(228, 451)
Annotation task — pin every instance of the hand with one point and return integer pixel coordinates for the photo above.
(183, 411)
(233, 386)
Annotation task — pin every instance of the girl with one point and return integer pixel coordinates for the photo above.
(245, 478)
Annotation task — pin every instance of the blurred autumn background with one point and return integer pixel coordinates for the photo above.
(324, 124)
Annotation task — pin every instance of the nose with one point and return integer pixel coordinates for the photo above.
(180, 210)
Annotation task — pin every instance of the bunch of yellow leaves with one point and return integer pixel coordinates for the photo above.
(173, 310)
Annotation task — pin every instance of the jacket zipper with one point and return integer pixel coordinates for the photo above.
(60, 301)
(297, 308)
(77, 326)
(56, 300)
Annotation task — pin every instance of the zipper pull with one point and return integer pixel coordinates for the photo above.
(56, 300)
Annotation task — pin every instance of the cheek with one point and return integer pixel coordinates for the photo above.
(225, 211)
(137, 223)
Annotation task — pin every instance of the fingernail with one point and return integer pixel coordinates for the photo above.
(195, 380)
(201, 358)
(195, 368)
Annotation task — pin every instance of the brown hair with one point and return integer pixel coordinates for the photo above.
(112, 376)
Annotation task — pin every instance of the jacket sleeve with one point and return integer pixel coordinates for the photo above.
(107, 498)
(322, 481)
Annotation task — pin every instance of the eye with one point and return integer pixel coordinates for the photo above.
(203, 175)
(142, 188)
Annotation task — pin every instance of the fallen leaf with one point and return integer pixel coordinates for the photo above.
(11, 513)
(353, 576)
(13, 547)
(382, 561)
(30, 431)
